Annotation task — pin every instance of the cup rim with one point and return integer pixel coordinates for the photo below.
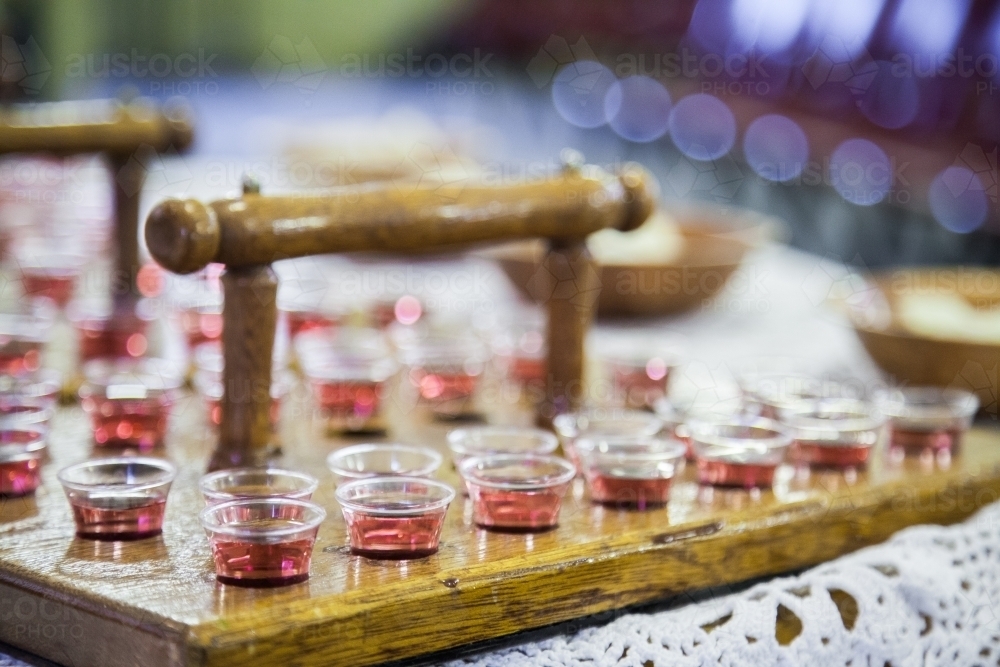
(466, 467)
(95, 316)
(754, 386)
(667, 448)
(29, 327)
(435, 349)
(35, 446)
(42, 409)
(802, 423)
(311, 483)
(28, 386)
(667, 410)
(319, 515)
(347, 503)
(951, 403)
(434, 462)
(33, 261)
(549, 441)
(781, 438)
(375, 370)
(168, 472)
(565, 424)
(169, 375)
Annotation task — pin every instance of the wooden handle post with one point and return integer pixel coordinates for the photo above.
(248, 233)
(575, 286)
(117, 130)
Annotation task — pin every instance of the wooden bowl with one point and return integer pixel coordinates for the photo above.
(934, 361)
(715, 242)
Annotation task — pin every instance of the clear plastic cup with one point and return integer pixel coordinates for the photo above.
(630, 472)
(22, 411)
(51, 276)
(104, 334)
(927, 418)
(121, 498)
(770, 392)
(597, 423)
(741, 452)
(22, 452)
(199, 317)
(129, 402)
(22, 336)
(482, 440)
(394, 517)
(640, 373)
(309, 305)
(44, 385)
(833, 433)
(262, 542)
(378, 460)
(517, 492)
(521, 348)
(387, 310)
(349, 378)
(445, 372)
(678, 413)
(248, 483)
(208, 382)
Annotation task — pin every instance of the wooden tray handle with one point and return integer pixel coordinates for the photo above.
(118, 130)
(96, 126)
(185, 236)
(248, 233)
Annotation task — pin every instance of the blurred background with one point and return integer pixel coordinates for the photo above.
(869, 126)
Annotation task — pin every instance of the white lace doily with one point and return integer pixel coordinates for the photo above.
(928, 596)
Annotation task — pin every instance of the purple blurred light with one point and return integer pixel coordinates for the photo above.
(958, 200)
(928, 26)
(890, 101)
(710, 25)
(638, 108)
(578, 92)
(702, 127)
(861, 172)
(776, 148)
(992, 49)
(842, 28)
(770, 26)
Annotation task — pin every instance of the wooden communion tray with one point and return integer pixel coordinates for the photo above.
(156, 602)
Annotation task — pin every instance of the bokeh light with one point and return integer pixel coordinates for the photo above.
(958, 199)
(149, 280)
(861, 172)
(638, 108)
(842, 28)
(579, 90)
(408, 309)
(702, 127)
(890, 101)
(769, 26)
(776, 148)
(656, 368)
(929, 26)
(709, 25)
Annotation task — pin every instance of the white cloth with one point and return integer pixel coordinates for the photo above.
(926, 597)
